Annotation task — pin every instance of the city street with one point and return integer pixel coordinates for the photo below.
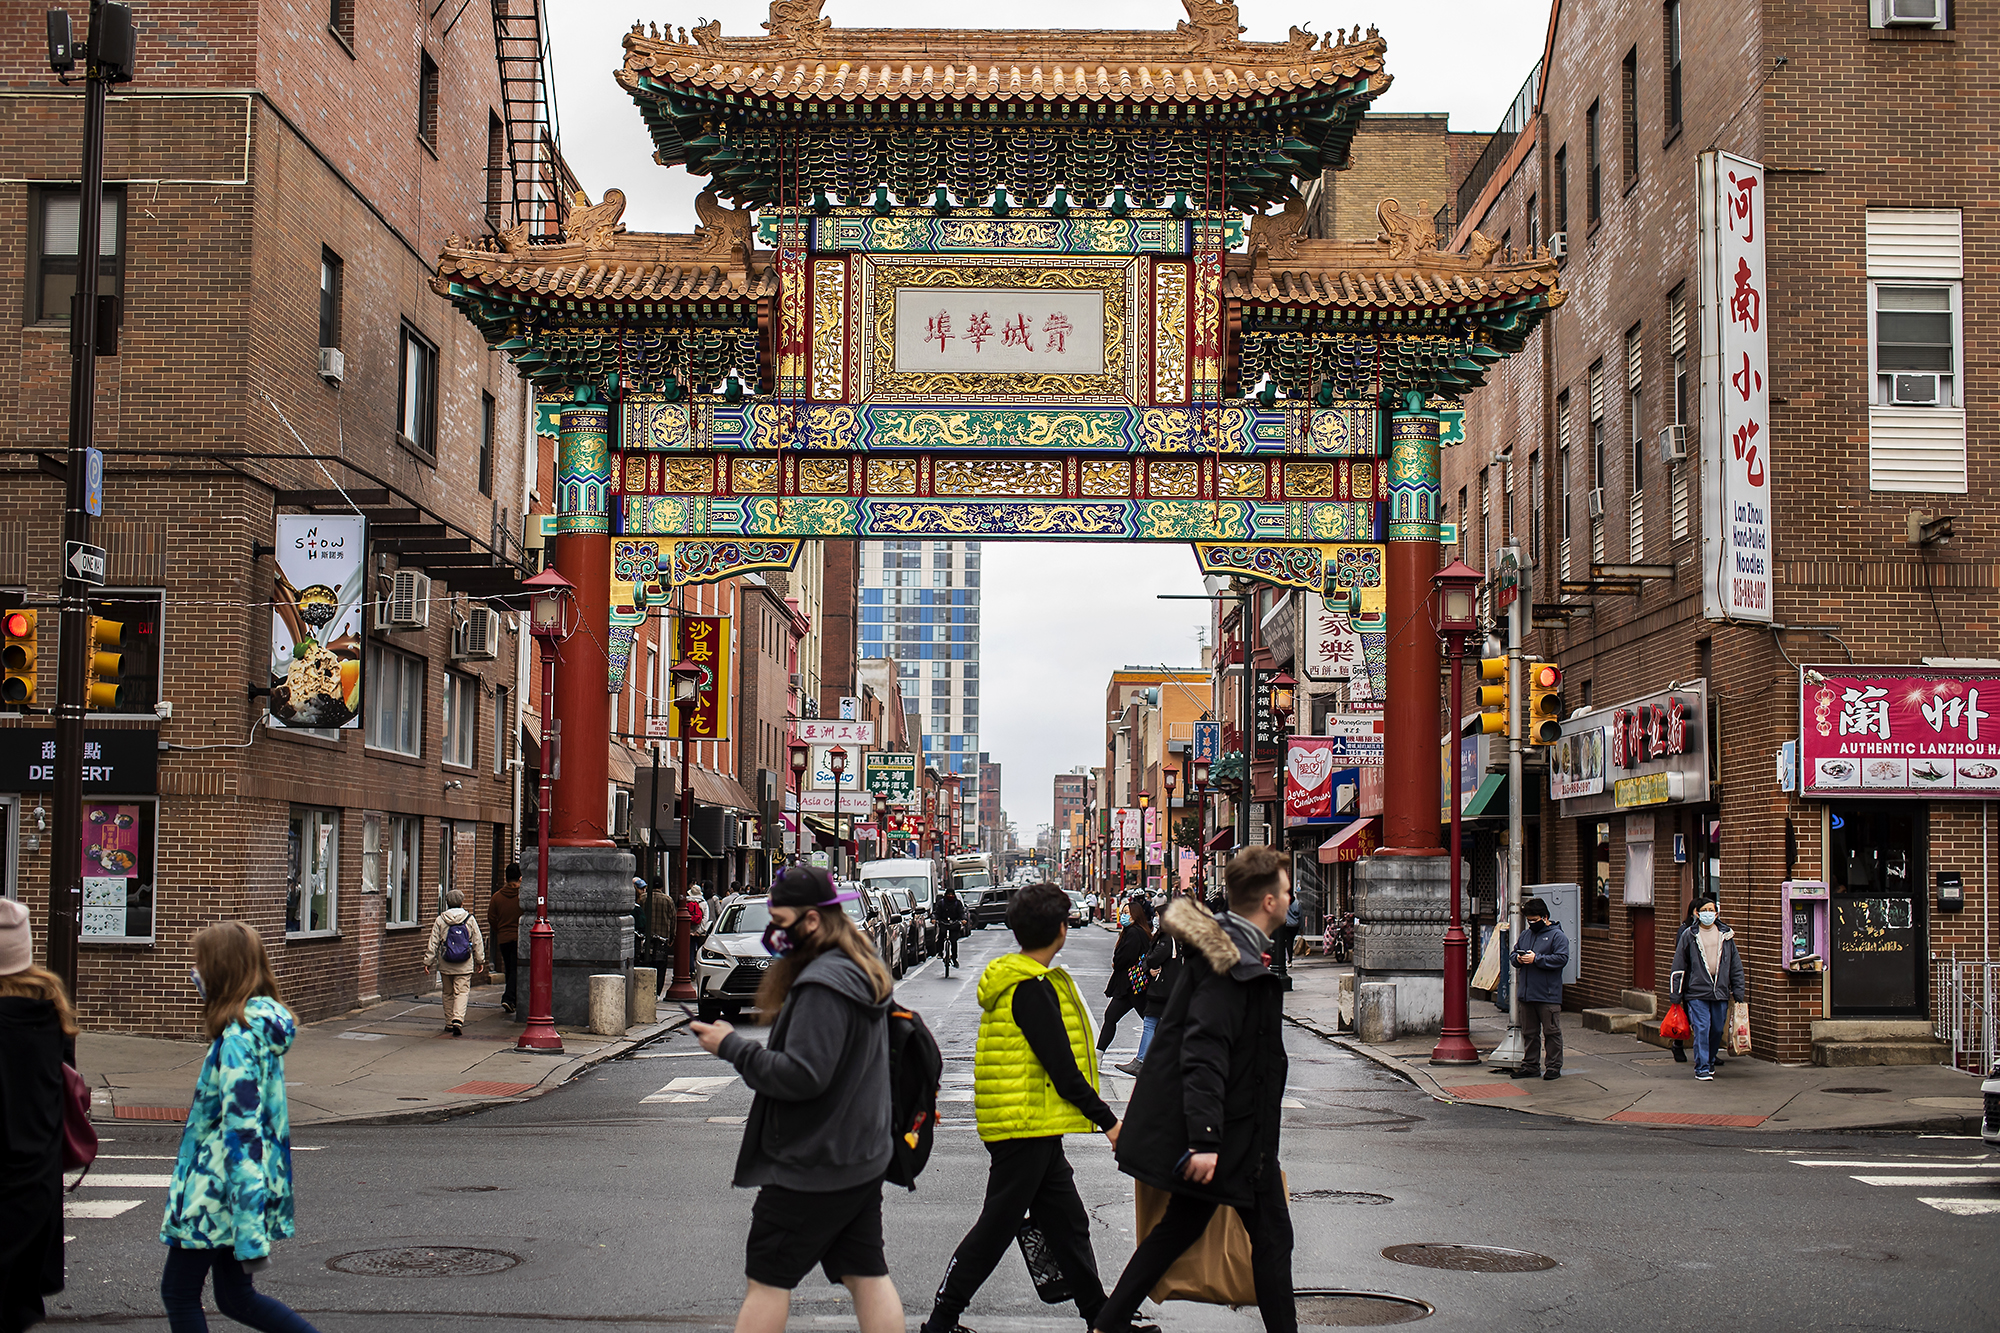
(607, 1204)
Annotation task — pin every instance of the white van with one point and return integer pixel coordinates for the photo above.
(914, 877)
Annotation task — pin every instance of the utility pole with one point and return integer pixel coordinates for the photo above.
(1510, 1050)
(108, 60)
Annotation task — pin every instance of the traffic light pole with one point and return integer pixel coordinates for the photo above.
(1512, 1047)
(72, 651)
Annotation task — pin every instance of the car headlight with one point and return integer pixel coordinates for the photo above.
(711, 956)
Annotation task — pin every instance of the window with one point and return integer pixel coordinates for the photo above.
(395, 694)
(1593, 168)
(1597, 459)
(1911, 13)
(1672, 45)
(486, 422)
(1915, 344)
(340, 22)
(502, 723)
(1560, 220)
(1534, 224)
(330, 274)
(1635, 510)
(1535, 508)
(1507, 532)
(1464, 524)
(56, 218)
(416, 409)
(120, 838)
(461, 718)
(496, 171)
(447, 858)
(400, 860)
(1628, 118)
(1485, 518)
(1562, 462)
(427, 100)
(1594, 854)
(1916, 418)
(312, 871)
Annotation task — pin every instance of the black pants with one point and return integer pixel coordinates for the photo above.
(1027, 1178)
(509, 960)
(1539, 1021)
(1269, 1222)
(1121, 1004)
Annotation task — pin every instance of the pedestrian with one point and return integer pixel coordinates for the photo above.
(1033, 1082)
(1687, 924)
(231, 1194)
(1204, 1117)
(503, 924)
(456, 950)
(817, 1141)
(1707, 975)
(1540, 956)
(1135, 937)
(1163, 966)
(36, 1022)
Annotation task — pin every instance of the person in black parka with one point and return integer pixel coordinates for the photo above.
(1133, 942)
(35, 1022)
(1204, 1116)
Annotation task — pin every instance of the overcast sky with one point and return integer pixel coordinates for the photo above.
(1058, 619)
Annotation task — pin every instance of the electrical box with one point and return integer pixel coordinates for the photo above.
(1950, 891)
(1566, 910)
(1805, 906)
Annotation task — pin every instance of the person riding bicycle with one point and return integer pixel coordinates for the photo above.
(951, 916)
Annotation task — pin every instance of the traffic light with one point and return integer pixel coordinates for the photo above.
(1544, 703)
(123, 670)
(17, 657)
(1494, 690)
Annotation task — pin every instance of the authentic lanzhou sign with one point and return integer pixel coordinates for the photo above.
(1899, 731)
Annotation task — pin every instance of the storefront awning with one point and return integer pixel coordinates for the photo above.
(1224, 839)
(719, 790)
(1490, 801)
(621, 767)
(1351, 843)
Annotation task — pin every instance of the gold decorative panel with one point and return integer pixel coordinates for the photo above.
(1240, 480)
(1174, 479)
(829, 332)
(823, 476)
(1312, 481)
(687, 475)
(1170, 333)
(635, 474)
(1007, 476)
(755, 476)
(1106, 479)
(892, 476)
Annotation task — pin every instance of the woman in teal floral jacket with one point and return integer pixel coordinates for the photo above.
(232, 1189)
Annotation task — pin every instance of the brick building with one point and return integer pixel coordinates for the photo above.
(1602, 451)
(274, 187)
(1412, 157)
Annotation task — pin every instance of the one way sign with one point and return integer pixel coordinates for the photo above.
(86, 563)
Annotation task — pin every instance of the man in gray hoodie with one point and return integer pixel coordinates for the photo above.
(818, 1138)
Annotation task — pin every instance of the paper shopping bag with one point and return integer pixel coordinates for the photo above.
(1487, 978)
(1215, 1269)
(1739, 1028)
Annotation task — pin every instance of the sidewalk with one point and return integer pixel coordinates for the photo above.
(390, 1061)
(1614, 1078)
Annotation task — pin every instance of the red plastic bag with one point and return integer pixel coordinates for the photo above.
(1674, 1027)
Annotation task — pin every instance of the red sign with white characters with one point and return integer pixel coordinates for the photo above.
(1900, 731)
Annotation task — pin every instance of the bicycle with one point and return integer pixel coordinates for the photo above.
(949, 954)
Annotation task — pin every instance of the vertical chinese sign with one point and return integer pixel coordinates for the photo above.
(704, 641)
(1736, 392)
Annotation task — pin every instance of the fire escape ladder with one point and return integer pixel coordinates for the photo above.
(520, 42)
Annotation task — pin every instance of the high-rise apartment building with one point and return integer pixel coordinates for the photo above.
(920, 606)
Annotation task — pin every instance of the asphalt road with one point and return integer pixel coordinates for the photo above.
(607, 1204)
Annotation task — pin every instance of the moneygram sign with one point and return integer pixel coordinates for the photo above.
(1899, 731)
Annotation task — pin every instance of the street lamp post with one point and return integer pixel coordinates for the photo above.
(1282, 687)
(1457, 617)
(801, 757)
(1169, 859)
(551, 619)
(836, 759)
(687, 688)
(1198, 771)
(881, 824)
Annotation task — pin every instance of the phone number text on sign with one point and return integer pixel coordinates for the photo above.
(1900, 731)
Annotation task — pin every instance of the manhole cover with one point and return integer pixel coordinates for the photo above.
(1342, 1196)
(424, 1261)
(1854, 1090)
(1469, 1258)
(1359, 1309)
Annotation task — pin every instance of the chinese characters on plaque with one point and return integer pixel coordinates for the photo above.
(1000, 330)
(1736, 536)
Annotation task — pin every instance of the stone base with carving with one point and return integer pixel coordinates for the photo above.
(590, 907)
(1404, 905)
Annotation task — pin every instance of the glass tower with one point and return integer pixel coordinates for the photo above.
(920, 606)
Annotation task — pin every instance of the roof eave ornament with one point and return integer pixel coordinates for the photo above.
(1407, 237)
(593, 226)
(723, 231)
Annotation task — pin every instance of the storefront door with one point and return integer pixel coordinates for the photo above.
(1877, 862)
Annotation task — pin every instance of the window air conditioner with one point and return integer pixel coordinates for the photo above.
(1597, 502)
(478, 639)
(408, 605)
(621, 812)
(332, 365)
(1915, 390)
(1558, 244)
(1914, 13)
(1673, 444)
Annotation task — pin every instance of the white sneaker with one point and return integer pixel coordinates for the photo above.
(1703, 1076)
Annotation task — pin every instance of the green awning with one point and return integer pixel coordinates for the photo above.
(1490, 801)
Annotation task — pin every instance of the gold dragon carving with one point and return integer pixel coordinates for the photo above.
(1406, 236)
(592, 226)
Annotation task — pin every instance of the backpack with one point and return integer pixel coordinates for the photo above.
(915, 1068)
(457, 941)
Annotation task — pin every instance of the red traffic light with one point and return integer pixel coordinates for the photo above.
(18, 624)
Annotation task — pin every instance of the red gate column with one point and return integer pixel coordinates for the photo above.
(583, 554)
(1410, 713)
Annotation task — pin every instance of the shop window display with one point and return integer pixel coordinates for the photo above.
(118, 847)
(312, 879)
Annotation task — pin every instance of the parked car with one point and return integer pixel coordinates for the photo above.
(867, 911)
(916, 878)
(910, 926)
(993, 904)
(731, 961)
(1076, 908)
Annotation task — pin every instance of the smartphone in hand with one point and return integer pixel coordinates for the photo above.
(693, 1017)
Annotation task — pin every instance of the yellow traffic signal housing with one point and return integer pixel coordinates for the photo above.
(1544, 703)
(17, 657)
(1493, 697)
(106, 658)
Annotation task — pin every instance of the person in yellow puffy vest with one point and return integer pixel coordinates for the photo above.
(1034, 1080)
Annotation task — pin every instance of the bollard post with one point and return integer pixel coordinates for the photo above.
(607, 1004)
(645, 996)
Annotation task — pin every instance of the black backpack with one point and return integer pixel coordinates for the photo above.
(915, 1068)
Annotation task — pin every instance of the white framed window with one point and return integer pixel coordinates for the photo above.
(1909, 13)
(461, 718)
(400, 860)
(1916, 351)
(447, 858)
(1914, 343)
(312, 879)
(395, 705)
(416, 406)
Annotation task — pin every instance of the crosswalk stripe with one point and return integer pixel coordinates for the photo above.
(1926, 1180)
(110, 1182)
(696, 1088)
(1964, 1207)
(98, 1207)
(1961, 1164)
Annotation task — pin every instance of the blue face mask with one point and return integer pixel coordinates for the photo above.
(1706, 918)
(200, 990)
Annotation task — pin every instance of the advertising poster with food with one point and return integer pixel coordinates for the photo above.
(111, 871)
(316, 620)
(1900, 731)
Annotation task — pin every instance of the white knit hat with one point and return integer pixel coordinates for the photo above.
(17, 941)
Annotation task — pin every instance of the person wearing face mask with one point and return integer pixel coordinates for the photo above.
(1707, 975)
(817, 1141)
(1127, 987)
(1540, 956)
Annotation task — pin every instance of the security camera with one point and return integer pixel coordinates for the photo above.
(164, 709)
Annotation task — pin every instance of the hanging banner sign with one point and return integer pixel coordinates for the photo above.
(1320, 779)
(1125, 827)
(1735, 391)
(704, 641)
(1333, 646)
(316, 601)
(1208, 741)
(892, 773)
(815, 731)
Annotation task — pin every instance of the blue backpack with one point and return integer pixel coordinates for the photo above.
(457, 941)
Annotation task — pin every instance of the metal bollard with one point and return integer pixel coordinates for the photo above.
(607, 1004)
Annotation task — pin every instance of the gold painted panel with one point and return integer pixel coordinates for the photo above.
(1170, 333)
(635, 474)
(1005, 476)
(688, 475)
(1106, 479)
(823, 476)
(1174, 479)
(755, 476)
(829, 334)
(1312, 481)
(1238, 481)
(892, 476)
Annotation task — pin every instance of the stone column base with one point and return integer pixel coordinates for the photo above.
(1404, 905)
(590, 907)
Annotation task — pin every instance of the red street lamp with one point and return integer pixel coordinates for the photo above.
(1198, 771)
(836, 761)
(687, 697)
(801, 757)
(1458, 617)
(552, 617)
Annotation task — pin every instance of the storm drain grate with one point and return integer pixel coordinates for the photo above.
(1468, 1258)
(1359, 1309)
(1340, 1196)
(424, 1261)
(1856, 1091)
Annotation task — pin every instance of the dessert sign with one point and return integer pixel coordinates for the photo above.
(1899, 731)
(316, 620)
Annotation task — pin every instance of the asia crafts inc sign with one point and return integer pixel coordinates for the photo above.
(704, 641)
(1899, 731)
